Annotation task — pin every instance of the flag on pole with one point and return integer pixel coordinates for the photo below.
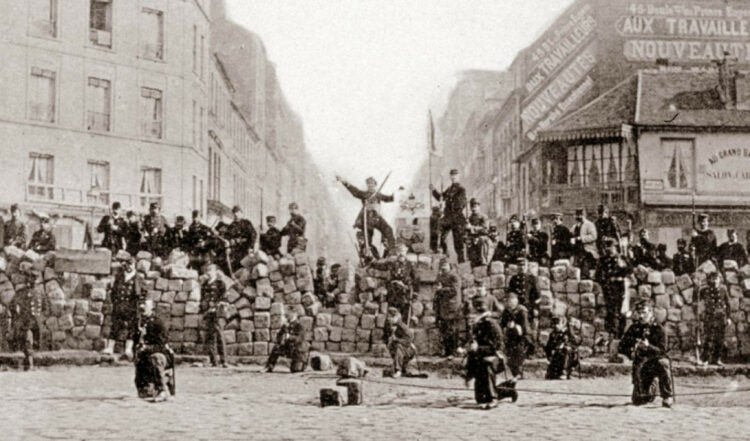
(431, 137)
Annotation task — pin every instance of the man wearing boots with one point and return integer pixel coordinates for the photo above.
(561, 350)
(290, 342)
(26, 309)
(153, 355)
(448, 307)
(518, 338)
(126, 290)
(400, 341)
(645, 342)
(715, 318)
(611, 274)
(212, 305)
(371, 201)
(479, 243)
(454, 218)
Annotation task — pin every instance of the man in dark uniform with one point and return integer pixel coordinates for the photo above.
(153, 355)
(715, 318)
(371, 201)
(611, 274)
(561, 237)
(43, 240)
(321, 280)
(125, 293)
(290, 342)
(447, 307)
(645, 342)
(683, 261)
(212, 308)
(479, 243)
(704, 241)
(241, 235)
(270, 240)
(113, 227)
(454, 218)
(154, 229)
(15, 230)
(538, 243)
(202, 242)
(400, 341)
(605, 227)
(561, 350)
(644, 252)
(403, 283)
(26, 310)
(732, 250)
(524, 286)
(295, 229)
(485, 358)
(435, 240)
(515, 245)
(515, 326)
(132, 233)
(176, 237)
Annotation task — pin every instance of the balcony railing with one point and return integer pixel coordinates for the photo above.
(98, 121)
(77, 197)
(569, 197)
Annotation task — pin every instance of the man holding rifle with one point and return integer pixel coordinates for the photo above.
(369, 218)
(454, 219)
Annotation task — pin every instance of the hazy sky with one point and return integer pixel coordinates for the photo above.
(363, 73)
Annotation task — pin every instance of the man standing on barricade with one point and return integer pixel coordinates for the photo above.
(538, 240)
(704, 241)
(270, 240)
(584, 244)
(241, 235)
(454, 217)
(479, 243)
(113, 227)
(561, 239)
(154, 229)
(515, 243)
(683, 261)
(371, 200)
(732, 250)
(645, 342)
(295, 229)
(605, 227)
(403, 282)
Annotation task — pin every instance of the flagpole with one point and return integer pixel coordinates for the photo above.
(430, 149)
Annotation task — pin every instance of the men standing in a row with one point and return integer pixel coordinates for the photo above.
(270, 240)
(113, 227)
(584, 244)
(43, 240)
(241, 236)
(479, 242)
(447, 306)
(371, 200)
(538, 242)
(611, 274)
(732, 250)
(605, 227)
(154, 229)
(295, 229)
(561, 239)
(454, 219)
(715, 318)
(704, 241)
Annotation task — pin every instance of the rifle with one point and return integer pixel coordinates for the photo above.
(696, 291)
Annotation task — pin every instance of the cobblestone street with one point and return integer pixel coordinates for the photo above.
(242, 403)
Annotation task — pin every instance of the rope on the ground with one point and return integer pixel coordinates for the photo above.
(548, 392)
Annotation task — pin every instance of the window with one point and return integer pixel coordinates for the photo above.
(41, 177)
(194, 139)
(151, 111)
(98, 192)
(150, 190)
(152, 34)
(42, 95)
(678, 163)
(43, 18)
(98, 104)
(200, 128)
(195, 48)
(100, 23)
(195, 192)
(203, 51)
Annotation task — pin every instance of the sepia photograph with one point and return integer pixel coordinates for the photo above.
(374, 220)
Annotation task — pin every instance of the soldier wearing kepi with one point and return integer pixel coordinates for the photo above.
(611, 274)
(113, 227)
(561, 236)
(43, 240)
(212, 307)
(538, 242)
(154, 229)
(605, 227)
(371, 200)
(270, 240)
(683, 261)
(400, 341)
(560, 350)
(15, 230)
(454, 219)
(241, 235)
(202, 241)
(153, 355)
(515, 245)
(704, 241)
(132, 233)
(295, 229)
(515, 326)
(485, 357)
(715, 318)
(176, 237)
(290, 342)
(524, 286)
(447, 306)
(403, 283)
(645, 342)
(26, 309)
(126, 290)
(732, 250)
(479, 242)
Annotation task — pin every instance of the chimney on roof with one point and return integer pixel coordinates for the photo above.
(727, 81)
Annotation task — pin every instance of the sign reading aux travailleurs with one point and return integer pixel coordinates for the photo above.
(685, 32)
